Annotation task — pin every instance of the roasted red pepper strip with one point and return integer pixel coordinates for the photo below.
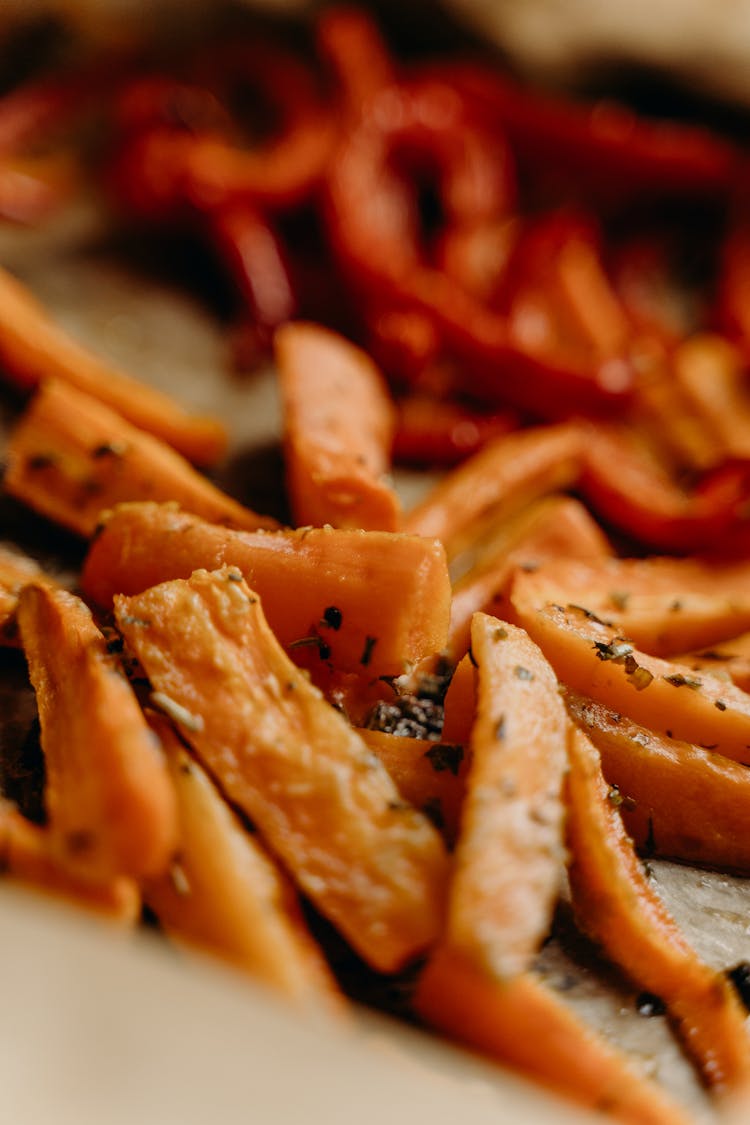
(604, 145)
(438, 433)
(374, 226)
(348, 40)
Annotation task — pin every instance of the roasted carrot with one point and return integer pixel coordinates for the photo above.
(523, 1024)
(555, 528)
(460, 702)
(338, 430)
(429, 775)
(509, 856)
(322, 801)
(371, 602)
(664, 606)
(593, 659)
(711, 374)
(70, 457)
(617, 906)
(28, 854)
(501, 479)
(225, 894)
(109, 799)
(670, 421)
(33, 348)
(676, 800)
(16, 571)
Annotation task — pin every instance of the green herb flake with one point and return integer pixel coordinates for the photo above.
(640, 678)
(522, 673)
(500, 634)
(678, 680)
(616, 650)
(366, 656)
(614, 796)
(588, 614)
(332, 618)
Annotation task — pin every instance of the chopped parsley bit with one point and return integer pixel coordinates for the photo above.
(640, 678)
(500, 729)
(614, 796)
(500, 634)
(588, 614)
(678, 680)
(234, 576)
(619, 598)
(332, 618)
(177, 712)
(720, 705)
(615, 650)
(647, 1004)
(313, 641)
(445, 756)
(522, 673)
(366, 656)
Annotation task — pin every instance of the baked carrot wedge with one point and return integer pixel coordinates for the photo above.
(556, 528)
(523, 1024)
(339, 422)
(665, 606)
(676, 800)
(323, 803)
(28, 855)
(593, 659)
(509, 856)
(225, 894)
(370, 602)
(109, 799)
(16, 571)
(501, 479)
(460, 702)
(429, 775)
(729, 660)
(33, 349)
(70, 457)
(617, 906)
(711, 373)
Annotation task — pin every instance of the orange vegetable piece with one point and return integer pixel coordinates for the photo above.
(70, 457)
(338, 430)
(28, 855)
(593, 659)
(371, 602)
(523, 1024)
(617, 906)
(501, 479)
(109, 800)
(676, 800)
(225, 894)
(322, 801)
(33, 348)
(509, 855)
(730, 660)
(663, 605)
(460, 703)
(16, 571)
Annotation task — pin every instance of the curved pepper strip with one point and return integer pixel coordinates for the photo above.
(349, 42)
(374, 227)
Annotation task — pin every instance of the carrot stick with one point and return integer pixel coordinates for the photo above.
(225, 894)
(338, 429)
(323, 803)
(676, 800)
(429, 775)
(28, 855)
(70, 457)
(109, 800)
(663, 605)
(370, 602)
(509, 856)
(523, 1024)
(33, 348)
(557, 527)
(16, 571)
(711, 373)
(501, 479)
(617, 906)
(460, 702)
(592, 659)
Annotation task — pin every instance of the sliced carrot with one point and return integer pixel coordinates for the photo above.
(593, 659)
(501, 479)
(674, 425)
(109, 799)
(225, 894)
(617, 906)
(338, 430)
(676, 800)
(509, 856)
(663, 605)
(555, 528)
(16, 571)
(33, 348)
(460, 702)
(28, 855)
(523, 1024)
(730, 660)
(371, 602)
(70, 457)
(429, 775)
(711, 373)
(323, 802)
